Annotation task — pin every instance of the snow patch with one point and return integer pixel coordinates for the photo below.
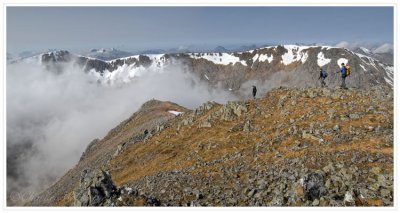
(327, 47)
(294, 53)
(175, 112)
(255, 57)
(304, 58)
(367, 59)
(322, 61)
(363, 67)
(389, 70)
(125, 73)
(265, 57)
(218, 58)
(389, 81)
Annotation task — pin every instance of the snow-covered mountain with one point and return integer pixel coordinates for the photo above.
(381, 51)
(287, 65)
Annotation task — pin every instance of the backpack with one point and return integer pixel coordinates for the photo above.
(324, 74)
(347, 70)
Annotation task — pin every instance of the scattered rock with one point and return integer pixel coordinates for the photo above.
(247, 127)
(205, 124)
(119, 149)
(239, 109)
(354, 116)
(331, 113)
(314, 186)
(309, 136)
(251, 193)
(315, 202)
(375, 170)
(348, 199)
(187, 121)
(336, 127)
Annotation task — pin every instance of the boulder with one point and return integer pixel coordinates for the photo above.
(205, 124)
(227, 113)
(314, 187)
(239, 109)
(95, 188)
(247, 127)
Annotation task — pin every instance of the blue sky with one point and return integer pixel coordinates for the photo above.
(139, 28)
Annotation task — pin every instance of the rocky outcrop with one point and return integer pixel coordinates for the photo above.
(313, 185)
(152, 116)
(95, 189)
(232, 109)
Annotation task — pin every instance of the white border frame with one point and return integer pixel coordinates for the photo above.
(205, 3)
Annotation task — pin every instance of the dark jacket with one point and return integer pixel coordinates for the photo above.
(254, 90)
(323, 74)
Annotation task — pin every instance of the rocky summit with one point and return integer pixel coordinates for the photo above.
(292, 147)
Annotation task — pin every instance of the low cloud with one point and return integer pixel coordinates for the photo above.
(52, 117)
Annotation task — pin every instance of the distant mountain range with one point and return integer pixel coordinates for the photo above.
(107, 54)
(289, 65)
(383, 53)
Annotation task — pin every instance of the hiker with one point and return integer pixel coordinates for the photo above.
(322, 76)
(254, 92)
(345, 71)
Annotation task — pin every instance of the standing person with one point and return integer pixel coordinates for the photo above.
(254, 92)
(322, 75)
(343, 72)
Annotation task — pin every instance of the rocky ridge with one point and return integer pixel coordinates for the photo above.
(288, 65)
(293, 147)
(150, 118)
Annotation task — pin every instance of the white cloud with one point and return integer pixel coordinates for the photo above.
(59, 114)
(343, 44)
(384, 48)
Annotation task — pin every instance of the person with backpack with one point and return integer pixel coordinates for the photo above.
(322, 75)
(345, 71)
(254, 92)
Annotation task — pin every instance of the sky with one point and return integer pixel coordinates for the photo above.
(141, 28)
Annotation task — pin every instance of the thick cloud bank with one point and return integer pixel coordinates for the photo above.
(52, 117)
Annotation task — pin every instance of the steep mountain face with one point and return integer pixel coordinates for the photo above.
(288, 65)
(292, 147)
(381, 55)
